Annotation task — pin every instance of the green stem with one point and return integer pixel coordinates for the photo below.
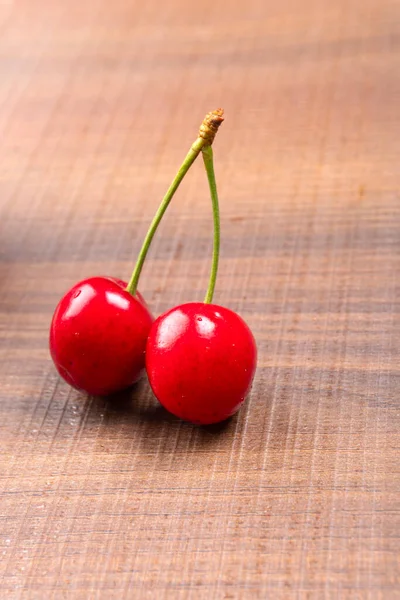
(207, 131)
(187, 163)
(207, 153)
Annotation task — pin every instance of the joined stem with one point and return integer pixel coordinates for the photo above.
(208, 129)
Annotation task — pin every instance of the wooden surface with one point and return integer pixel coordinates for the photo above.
(297, 497)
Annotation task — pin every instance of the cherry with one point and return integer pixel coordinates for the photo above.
(200, 360)
(200, 357)
(98, 336)
(99, 329)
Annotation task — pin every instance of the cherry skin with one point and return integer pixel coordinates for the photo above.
(200, 360)
(98, 336)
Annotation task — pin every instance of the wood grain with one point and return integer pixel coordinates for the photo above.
(297, 497)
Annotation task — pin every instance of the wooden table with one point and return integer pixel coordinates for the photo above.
(297, 497)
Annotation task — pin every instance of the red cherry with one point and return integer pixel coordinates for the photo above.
(200, 360)
(98, 336)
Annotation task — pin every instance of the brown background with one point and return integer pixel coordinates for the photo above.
(297, 497)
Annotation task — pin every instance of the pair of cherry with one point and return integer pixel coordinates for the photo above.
(200, 357)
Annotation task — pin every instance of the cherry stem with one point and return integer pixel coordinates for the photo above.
(187, 163)
(207, 132)
(207, 153)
